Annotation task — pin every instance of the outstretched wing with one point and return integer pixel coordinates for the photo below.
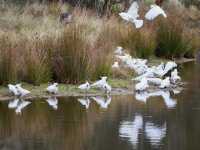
(133, 10)
(154, 12)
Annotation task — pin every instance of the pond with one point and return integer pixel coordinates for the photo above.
(118, 123)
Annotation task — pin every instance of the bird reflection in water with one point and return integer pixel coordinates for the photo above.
(85, 102)
(155, 133)
(168, 100)
(53, 102)
(130, 129)
(103, 102)
(18, 105)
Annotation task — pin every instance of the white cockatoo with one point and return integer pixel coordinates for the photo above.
(142, 85)
(165, 83)
(22, 91)
(107, 88)
(154, 81)
(13, 89)
(53, 88)
(154, 12)
(85, 86)
(119, 51)
(100, 83)
(115, 65)
(174, 76)
(132, 15)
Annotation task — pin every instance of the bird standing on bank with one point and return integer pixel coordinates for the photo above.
(165, 83)
(100, 83)
(142, 85)
(115, 65)
(174, 76)
(23, 92)
(13, 90)
(85, 86)
(53, 88)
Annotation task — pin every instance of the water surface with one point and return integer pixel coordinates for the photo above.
(105, 123)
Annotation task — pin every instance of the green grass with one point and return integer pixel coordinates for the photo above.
(66, 89)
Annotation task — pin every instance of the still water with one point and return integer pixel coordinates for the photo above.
(106, 123)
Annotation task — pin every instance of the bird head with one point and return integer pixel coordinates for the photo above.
(55, 84)
(18, 85)
(104, 78)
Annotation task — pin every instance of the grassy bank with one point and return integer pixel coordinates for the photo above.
(36, 48)
(119, 87)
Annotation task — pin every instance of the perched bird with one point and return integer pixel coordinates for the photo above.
(154, 81)
(100, 83)
(165, 83)
(23, 92)
(142, 85)
(53, 88)
(174, 76)
(148, 74)
(13, 90)
(132, 15)
(115, 65)
(140, 69)
(154, 12)
(21, 106)
(125, 58)
(159, 70)
(168, 67)
(13, 103)
(53, 102)
(119, 51)
(104, 103)
(85, 86)
(84, 102)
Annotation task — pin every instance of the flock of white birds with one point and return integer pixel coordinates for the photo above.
(100, 84)
(162, 78)
(132, 14)
(20, 93)
(157, 76)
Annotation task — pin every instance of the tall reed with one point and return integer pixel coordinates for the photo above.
(8, 59)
